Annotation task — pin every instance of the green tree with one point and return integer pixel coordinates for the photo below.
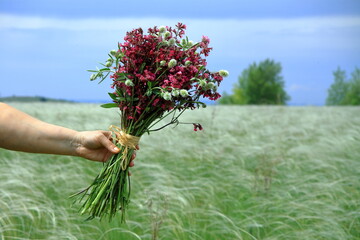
(259, 84)
(236, 98)
(352, 96)
(338, 90)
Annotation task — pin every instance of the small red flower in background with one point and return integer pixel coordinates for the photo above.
(197, 126)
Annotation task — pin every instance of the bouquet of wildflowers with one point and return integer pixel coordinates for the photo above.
(154, 75)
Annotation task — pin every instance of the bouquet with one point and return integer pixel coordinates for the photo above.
(155, 75)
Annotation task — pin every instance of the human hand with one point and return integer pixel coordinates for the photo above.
(96, 146)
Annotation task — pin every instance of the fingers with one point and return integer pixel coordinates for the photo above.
(106, 157)
(133, 155)
(105, 141)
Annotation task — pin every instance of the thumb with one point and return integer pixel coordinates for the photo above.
(106, 142)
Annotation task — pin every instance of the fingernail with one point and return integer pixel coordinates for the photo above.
(116, 149)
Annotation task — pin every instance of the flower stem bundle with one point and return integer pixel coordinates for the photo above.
(155, 75)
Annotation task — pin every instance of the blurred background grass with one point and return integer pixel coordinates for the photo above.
(254, 173)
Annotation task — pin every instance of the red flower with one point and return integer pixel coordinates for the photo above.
(197, 126)
(142, 60)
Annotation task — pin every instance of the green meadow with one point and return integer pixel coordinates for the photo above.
(254, 172)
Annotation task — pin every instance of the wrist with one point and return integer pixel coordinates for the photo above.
(75, 144)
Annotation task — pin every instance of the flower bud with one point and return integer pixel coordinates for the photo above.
(129, 83)
(175, 92)
(209, 86)
(93, 77)
(108, 64)
(187, 63)
(167, 96)
(202, 83)
(167, 34)
(162, 29)
(183, 41)
(223, 73)
(162, 63)
(171, 41)
(184, 93)
(172, 63)
(190, 43)
(114, 53)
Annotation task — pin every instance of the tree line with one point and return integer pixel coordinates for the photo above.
(262, 84)
(344, 91)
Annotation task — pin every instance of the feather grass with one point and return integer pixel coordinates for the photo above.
(253, 173)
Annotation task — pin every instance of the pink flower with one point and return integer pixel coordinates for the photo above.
(205, 39)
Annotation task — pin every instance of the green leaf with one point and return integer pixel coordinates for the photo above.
(120, 99)
(121, 76)
(142, 67)
(113, 96)
(148, 92)
(201, 68)
(120, 79)
(109, 105)
(119, 93)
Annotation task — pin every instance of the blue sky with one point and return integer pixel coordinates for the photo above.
(47, 46)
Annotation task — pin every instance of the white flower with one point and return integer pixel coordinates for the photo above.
(162, 29)
(202, 83)
(167, 96)
(171, 41)
(129, 83)
(172, 63)
(184, 93)
(175, 92)
(162, 63)
(167, 34)
(209, 86)
(224, 73)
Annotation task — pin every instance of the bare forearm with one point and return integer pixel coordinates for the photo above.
(21, 132)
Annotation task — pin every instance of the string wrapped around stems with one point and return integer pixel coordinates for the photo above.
(110, 191)
(126, 140)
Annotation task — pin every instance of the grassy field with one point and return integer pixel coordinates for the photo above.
(253, 173)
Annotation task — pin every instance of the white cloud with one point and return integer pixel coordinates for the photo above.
(306, 25)
(255, 38)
